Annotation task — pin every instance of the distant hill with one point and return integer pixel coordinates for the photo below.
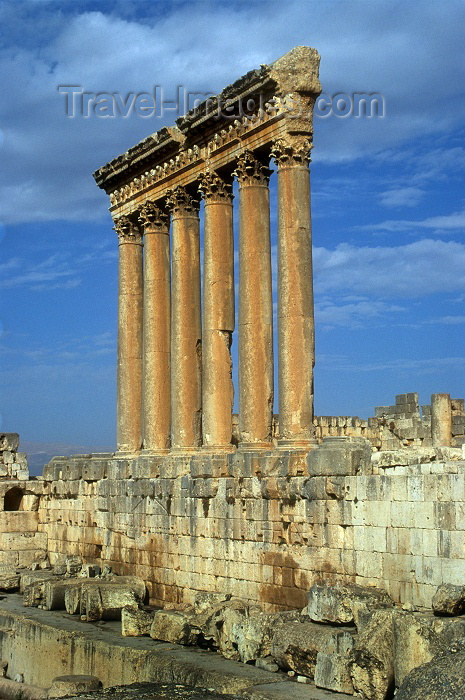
(40, 453)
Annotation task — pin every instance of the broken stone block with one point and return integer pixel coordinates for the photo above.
(296, 645)
(418, 637)
(89, 571)
(254, 634)
(9, 442)
(32, 586)
(172, 626)
(106, 600)
(73, 566)
(442, 678)
(267, 664)
(136, 623)
(206, 601)
(340, 456)
(9, 580)
(55, 590)
(342, 603)
(449, 600)
(332, 672)
(371, 662)
(66, 686)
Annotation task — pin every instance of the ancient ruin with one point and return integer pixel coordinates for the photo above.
(324, 549)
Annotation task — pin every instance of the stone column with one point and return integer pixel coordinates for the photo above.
(130, 303)
(255, 304)
(295, 292)
(186, 328)
(156, 400)
(441, 420)
(218, 312)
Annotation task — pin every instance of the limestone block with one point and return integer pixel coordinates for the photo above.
(341, 603)
(332, 672)
(73, 565)
(9, 579)
(296, 645)
(136, 623)
(442, 678)
(66, 686)
(9, 441)
(106, 600)
(253, 635)
(173, 626)
(371, 661)
(340, 456)
(19, 521)
(55, 590)
(449, 600)
(418, 637)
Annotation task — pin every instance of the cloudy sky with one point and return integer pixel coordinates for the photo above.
(388, 195)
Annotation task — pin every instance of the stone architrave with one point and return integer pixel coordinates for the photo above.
(296, 355)
(218, 311)
(255, 303)
(186, 325)
(130, 322)
(156, 418)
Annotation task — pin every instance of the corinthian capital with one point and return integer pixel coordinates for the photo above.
(180, 202)
(251, 171)
(152, 218)
(128, 232)
(291, 151)
(214, 189)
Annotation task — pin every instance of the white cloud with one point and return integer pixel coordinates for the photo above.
(401, 197)
(446, 222)
(48, 159)
(413, 270)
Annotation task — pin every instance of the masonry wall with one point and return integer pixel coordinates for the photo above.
(265, 527)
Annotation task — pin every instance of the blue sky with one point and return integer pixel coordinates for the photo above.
(388, 196)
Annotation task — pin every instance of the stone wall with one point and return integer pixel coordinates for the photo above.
(20, 542)
(265, 526)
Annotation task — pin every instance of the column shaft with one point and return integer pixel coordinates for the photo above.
(295, 294)
(157, 324)
(441, 420)
(130, 304)
(255, 304)
(218, 312)
(186, 330)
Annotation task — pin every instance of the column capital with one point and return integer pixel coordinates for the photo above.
(251, 171)
(181, 203)
(152, 218)
(214, 188)
(291, 151)
(127, 231)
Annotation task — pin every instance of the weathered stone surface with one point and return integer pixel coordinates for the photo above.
(296, 645)
(173, 626)
(332, 672)
(341, 603)
(442, 678)
(253, 635)
(64, 686)
(9, 579)
(449, 600)
(9, 442)
(371, 662)
(419, 637)
(340, 456)
(106, 600)
(136, 623)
